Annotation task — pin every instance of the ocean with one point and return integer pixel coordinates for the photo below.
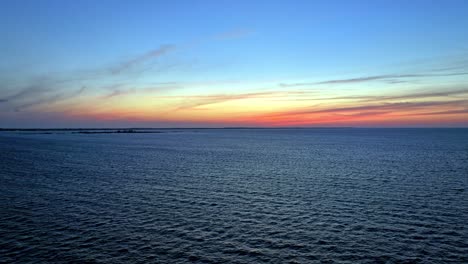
(344, 195)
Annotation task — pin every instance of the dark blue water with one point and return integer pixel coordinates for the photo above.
(236, 196)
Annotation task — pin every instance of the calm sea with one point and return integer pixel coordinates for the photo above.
(235, 196)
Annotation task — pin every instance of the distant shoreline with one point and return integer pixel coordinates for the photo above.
(136, 129)
(155, 130)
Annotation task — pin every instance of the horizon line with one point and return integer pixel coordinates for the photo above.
(183, 128)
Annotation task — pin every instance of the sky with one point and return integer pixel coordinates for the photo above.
(237, 63)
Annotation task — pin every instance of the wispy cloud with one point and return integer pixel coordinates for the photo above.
(49, 98)
(124, 89)
(194, 101)
(422, 95)
(121, 76)
(27, 92)
(118, 92)
(452, 93)
(379, 107)
(55, 87)
(120, 79)
(393, 78)
(448, 112)
(385, 112)
(131, 63)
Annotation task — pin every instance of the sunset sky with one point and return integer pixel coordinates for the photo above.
(233, 63)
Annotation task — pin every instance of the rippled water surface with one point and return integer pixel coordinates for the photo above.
(235, 196)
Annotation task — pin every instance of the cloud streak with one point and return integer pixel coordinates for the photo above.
(197, 101)
(192, 102)
(394, 78)
(30, 91)
(129, 64)
(57, 87)
(381, 112)
(370, 98)
(394, 107)
(50, 98)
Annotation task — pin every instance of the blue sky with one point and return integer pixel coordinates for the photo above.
(246, 45)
